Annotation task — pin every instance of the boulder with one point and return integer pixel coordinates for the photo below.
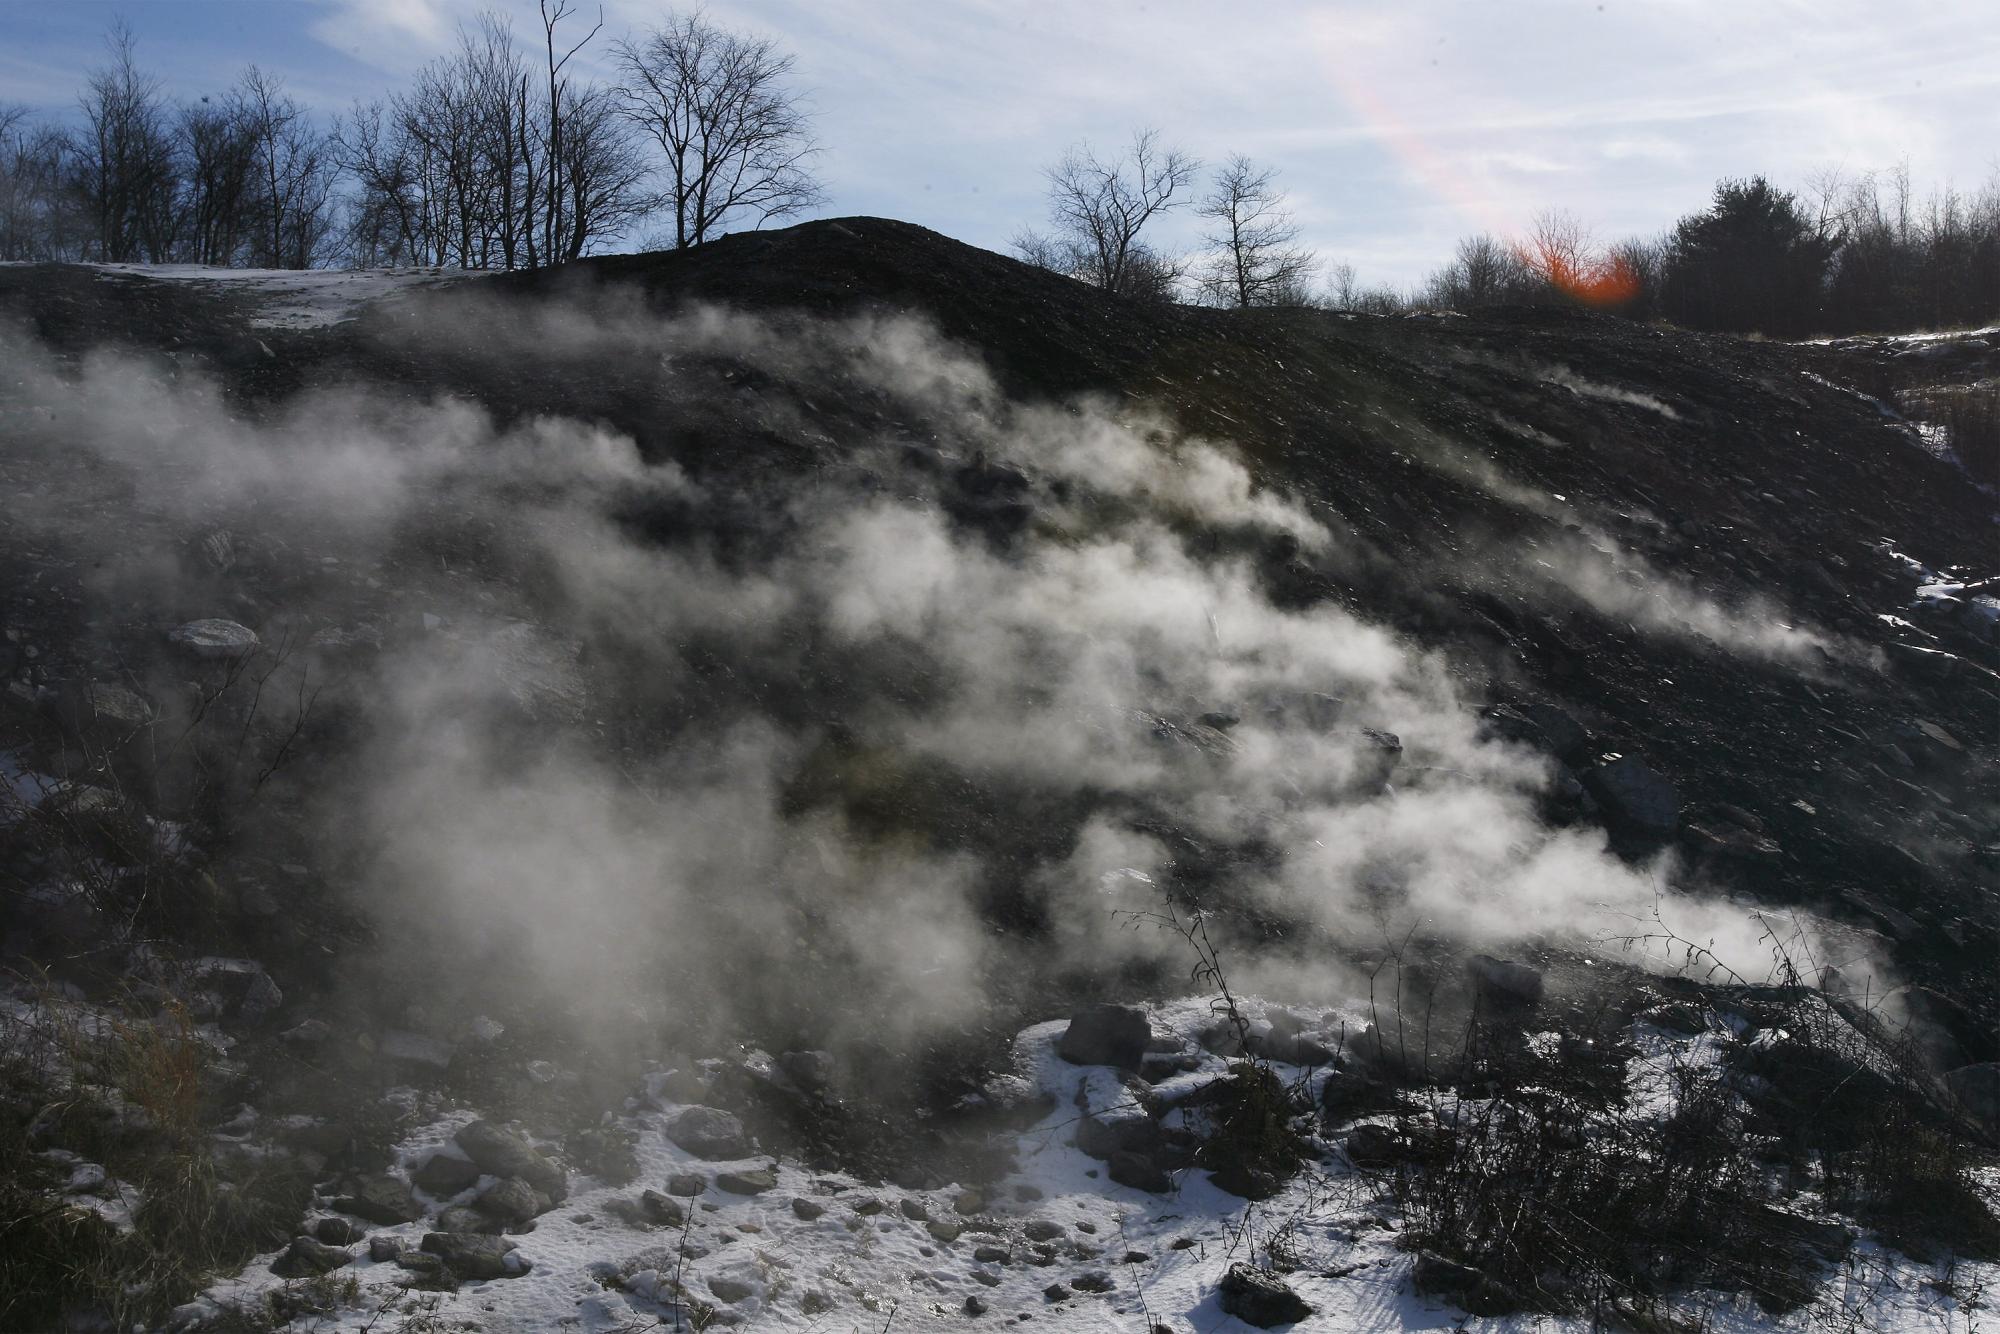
(663, 1209)
(1636, 797)
(1259, 1297)
(1105, 1035)
(214, 638)
(510, 1200)
(308, 1257)
(1122, 1129)
(1140, 1173)
(473, 1256)
(445, 1175)
(708, 1132)
(505, 1154)
(380, 1199)
(806, 1210)
(754, 1181)
(686, 1184)
(335, 1231)
(731, 1290)
(811, 1071)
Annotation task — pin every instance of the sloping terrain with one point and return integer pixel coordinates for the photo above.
(849, 644)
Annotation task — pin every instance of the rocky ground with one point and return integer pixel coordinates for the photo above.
(672, 792)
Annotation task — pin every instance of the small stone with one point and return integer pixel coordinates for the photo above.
(1105, 1035)
(1056, 1292)
(1041, 1229)
(974, 1305)
(942, 1231)
(914, 1210)
(687, 1185)
(384, 1249)
(968, 1202)
(868, 1208)
(1140, 1173)
(990, 1255)
(1097, 1280)
(807, 1210)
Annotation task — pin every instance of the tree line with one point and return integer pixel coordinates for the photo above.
(1851, 254)
(496, 156)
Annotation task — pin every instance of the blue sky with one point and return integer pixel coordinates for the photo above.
(1398, 127)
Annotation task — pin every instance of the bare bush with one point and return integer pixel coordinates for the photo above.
(1099, 207)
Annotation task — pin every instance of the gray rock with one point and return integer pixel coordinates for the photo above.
(415, 1049)
(473, 1256)
(812, 1071)
(505, 1154)
(511, 1200)
(1118, 1130)
(754, 1181)
(1140, 1173)
(1106, 1035)
(686, 1184)
(385, 1249)
(337, 1231)
(464, 1218)
(664, 1209)
(1261, 1298)
(309, 1258)
(446, 1174)
(974, 1306)
(1096, 1280)
(708, 1132)
(1041, 1229)
(807, 1210)
(990, 1255)
(731, 1290)
(214, 638)
(1635, 796)
(379, 1199)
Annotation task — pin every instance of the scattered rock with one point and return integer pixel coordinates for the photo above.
(812, 1071)
(308, 1257)
(1261, 1298)
(1120, 1129)
(337, 1231)
(942, 1231)
(1105, 1035)
(384, 1249)
(415, 1049)
(686, 1184)
(1056, 1292)
(731, 1290)
(473, 1256)
(505, 1154)
(807, 1210)
(464, 1218)
(754, 1181)
(1097, 1280)
(214, 638)
(974, 1306)
(511, 1200)
(708, 1132)
(445, 1175)
(914, 1210)
(380, 1199)
(1041, 1229)
(1140, 1173)
(990, 1255)
(1246, 1182)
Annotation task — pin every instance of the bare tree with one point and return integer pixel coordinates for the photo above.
(1099, 207)
(735, 136)
(294, 171)
(124, 158)
(1257, 263)
(1483, 272)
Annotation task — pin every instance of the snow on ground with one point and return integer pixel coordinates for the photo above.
(300, 298)
(1155, 1261)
